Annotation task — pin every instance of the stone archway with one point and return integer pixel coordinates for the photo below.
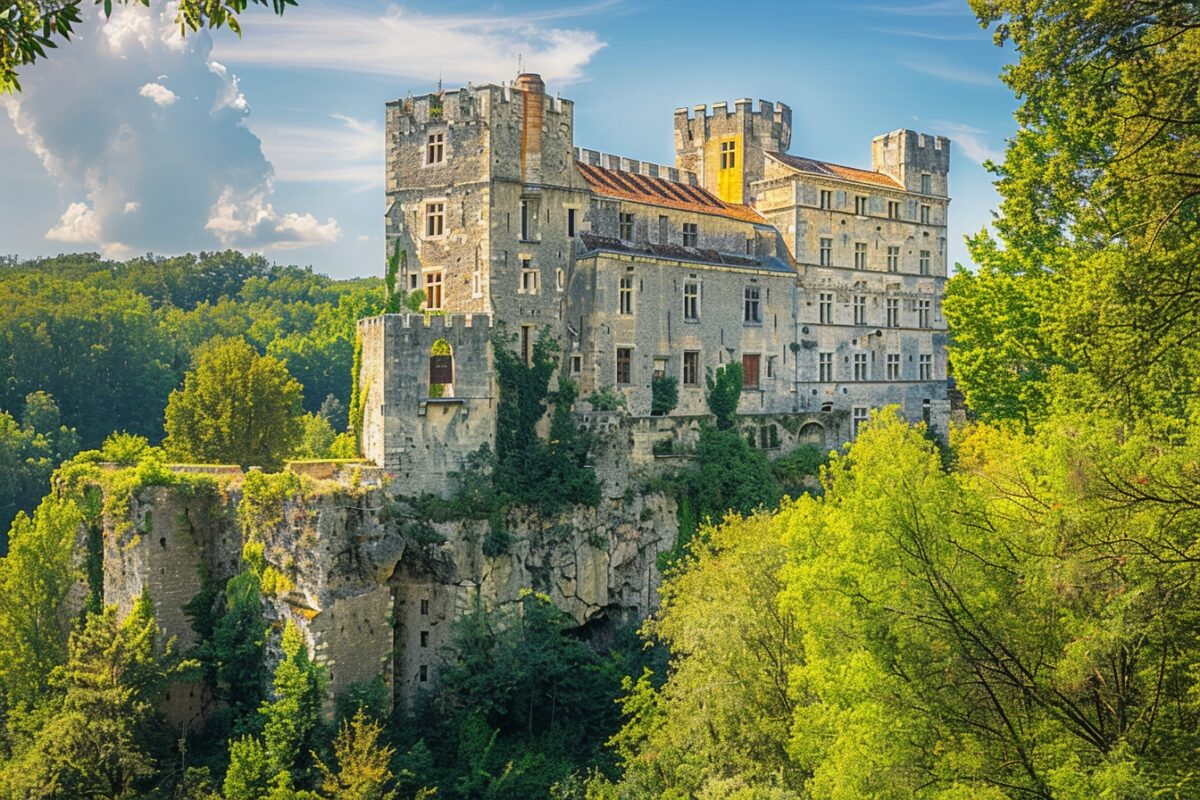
(441, 369)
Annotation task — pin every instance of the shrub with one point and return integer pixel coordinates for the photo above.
(606, 398)
(664, 395)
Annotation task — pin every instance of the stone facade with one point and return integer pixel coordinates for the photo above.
(824, 282)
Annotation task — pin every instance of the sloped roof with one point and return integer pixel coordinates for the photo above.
(699, 255)
(815, 167)
(661, 192)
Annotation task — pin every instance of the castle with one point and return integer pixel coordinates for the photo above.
(823, 281)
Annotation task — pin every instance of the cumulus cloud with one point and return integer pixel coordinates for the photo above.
(402, 43)
(180, 172)
(158, 93)
(338, 149)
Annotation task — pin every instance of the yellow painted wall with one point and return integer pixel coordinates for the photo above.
(729, 181)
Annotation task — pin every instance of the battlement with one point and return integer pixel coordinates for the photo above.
(433, 322)
(906, 155)
(774, 112)
(466, 104)
(610, 161)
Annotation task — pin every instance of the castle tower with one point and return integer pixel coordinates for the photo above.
(918, 162)
(726, 149)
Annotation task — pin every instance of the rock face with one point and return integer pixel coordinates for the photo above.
(374, 587)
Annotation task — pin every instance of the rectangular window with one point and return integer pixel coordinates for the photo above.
(860, 366)
(893, 312)
(858, 417)
(924, 262)
(752, 306)
(576, 364)
(527, 343)
(570, 222)
(691, 302)
(770, 367)
(825, 307)
(893, 366)
(893, 209)
(826, 253)
(424, 638)
(477, 283)
(860, 310)
(893, 259)
(664, 228)
(433, 290)
(435, 148)
(625, 295)
(860, 255)
(825, 367)
(624, 365)
(414, 281)
(728, 154)
(560, 279)
(924, 215)
(922, 313)
(526, 220)
(691, 234)
(926, 183)
(423, 673)
(750, 370)
(435, 219)
(529, 277)
(861, 205)
(826, 198)
(925, 367)
(691, 367)
(626, 231)
(424, 607)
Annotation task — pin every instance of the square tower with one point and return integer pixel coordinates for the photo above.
(726, 150)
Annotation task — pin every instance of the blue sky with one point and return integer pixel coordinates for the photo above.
(130, 140)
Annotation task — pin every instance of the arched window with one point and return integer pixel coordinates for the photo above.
(812, 433)
(441, 369)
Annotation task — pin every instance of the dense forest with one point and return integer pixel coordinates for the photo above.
(1013, 613)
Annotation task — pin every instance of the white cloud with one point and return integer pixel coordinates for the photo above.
(937, 8)
(402, 43)
(343, 150)
(78, 225)
(152, 176)
(971, 140)
(158, 93)
(954, 73)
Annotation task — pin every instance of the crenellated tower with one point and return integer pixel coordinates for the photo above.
(726, 149)
(917, 161)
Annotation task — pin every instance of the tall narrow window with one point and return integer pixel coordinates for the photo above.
(423, 673)
(860, 309)
(527, 343)
(825, 307)
(424, 607)
(424, 638)
(477, 283)
(925, 367)
(860, 255)
(691, 301)
(893, 366)
(664, 227)
(435, 219)
(625, 295)
(924, 215)
(922, 313)
(752, 306)
(861, 204)
(570, 222)
(826, 198)
(750, 362)
(893, 312)
(529, 277)
(624, 365)
(525, 221)
(560, 279)
(924, 262)
(433, 290)
(858, 417)
(728, 154)
(691, 234)
(576, 364)
(825, 367)
(926, 183)
(860, 366)
(435, 148)
(893, 209)
(626, 226)
(826, 252)
(691, 367)
(893, 258)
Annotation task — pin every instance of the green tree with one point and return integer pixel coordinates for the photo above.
(724, 391)
(235, 407)
(29, 452)
(291, 719)
(664, 395)
(35, 577)
(28, 28)
(100, 742)
(363, 771)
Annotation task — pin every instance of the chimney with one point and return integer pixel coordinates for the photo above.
(533, 93)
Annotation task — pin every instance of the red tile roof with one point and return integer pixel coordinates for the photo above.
(811, 165)
(661, 192)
